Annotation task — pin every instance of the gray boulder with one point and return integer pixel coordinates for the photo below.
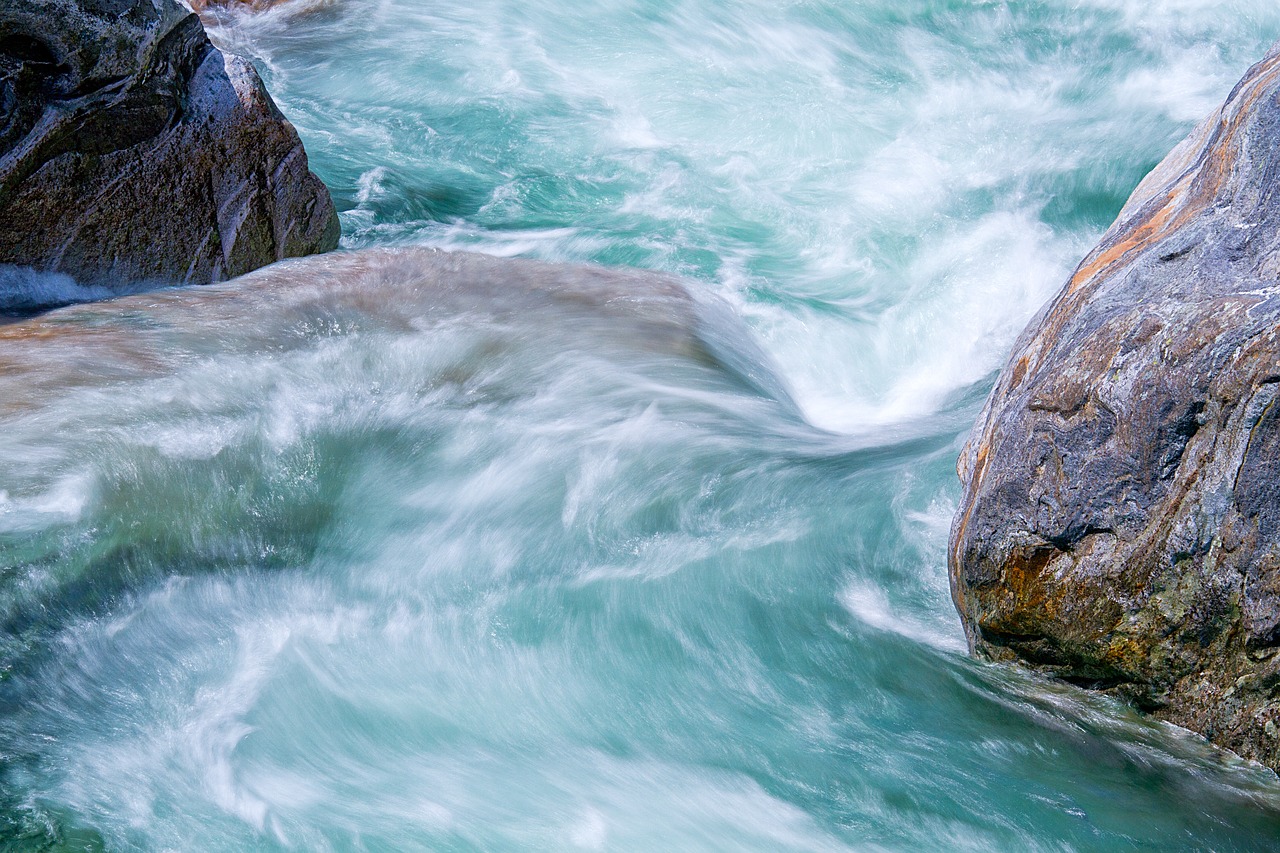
(1120, 525)
(131, 150)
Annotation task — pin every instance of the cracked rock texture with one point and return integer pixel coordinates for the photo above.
(131, 150)
(1120, 525)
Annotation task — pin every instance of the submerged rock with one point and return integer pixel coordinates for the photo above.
(1120, 525)
(371, 291)
(132, 150)
(203, 6)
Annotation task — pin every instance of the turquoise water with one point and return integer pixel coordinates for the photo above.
(382, 576)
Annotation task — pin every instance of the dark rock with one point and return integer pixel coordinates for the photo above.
(1120, 525)
(132, 150)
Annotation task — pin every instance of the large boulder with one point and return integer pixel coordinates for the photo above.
(131, 150)
(1120, 525)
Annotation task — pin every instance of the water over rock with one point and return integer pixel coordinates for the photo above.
(1120, 525)
(549, 307)
(202, 6)
(132, 150)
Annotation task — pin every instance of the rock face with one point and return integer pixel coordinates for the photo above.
(1120, 525)
(132, 150)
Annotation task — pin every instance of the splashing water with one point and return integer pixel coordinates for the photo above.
(343, 565)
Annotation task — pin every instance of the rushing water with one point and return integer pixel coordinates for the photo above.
(357, 571)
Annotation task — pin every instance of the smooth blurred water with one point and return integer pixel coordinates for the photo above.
(373, 576)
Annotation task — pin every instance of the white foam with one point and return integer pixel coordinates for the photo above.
(371, 185)
(63, 501)
(870, 606)
(633, 131)
(1185, 87)
(590, 831)
(967, 295)
(203, 439)
(27, 289)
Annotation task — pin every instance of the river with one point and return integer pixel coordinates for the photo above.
(377, 574)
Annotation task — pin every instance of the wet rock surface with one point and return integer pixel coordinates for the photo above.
(132, 150)
(1120, 525)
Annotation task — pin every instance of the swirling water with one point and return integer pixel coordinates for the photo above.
(361, 576)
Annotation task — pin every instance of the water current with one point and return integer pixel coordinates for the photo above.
(364, 571)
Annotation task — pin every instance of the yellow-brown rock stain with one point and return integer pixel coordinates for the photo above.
(1024, 599)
